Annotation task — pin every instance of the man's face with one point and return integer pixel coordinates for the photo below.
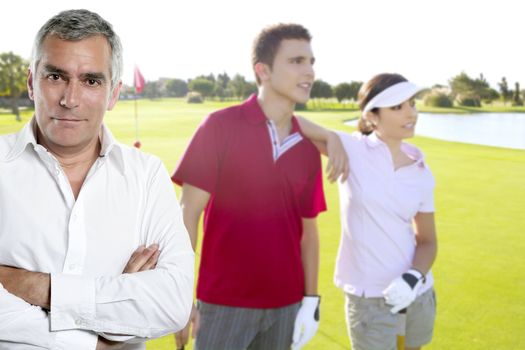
(72, 91)
(292, 73)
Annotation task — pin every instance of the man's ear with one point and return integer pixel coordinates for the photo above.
(262, 70)
(115, 93)
(30, 89)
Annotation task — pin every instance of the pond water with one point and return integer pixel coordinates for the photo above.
(490, 129)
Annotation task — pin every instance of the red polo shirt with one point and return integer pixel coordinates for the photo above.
(251, 253)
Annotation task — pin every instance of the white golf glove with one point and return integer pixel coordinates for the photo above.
(306, 322)
(403, 290)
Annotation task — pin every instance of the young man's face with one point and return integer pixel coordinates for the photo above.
(72, 91)
(292, 73)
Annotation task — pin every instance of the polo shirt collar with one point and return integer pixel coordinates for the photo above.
(27, 136)
(255, 114)
(253, 110)
(373, 141)
(413, 152)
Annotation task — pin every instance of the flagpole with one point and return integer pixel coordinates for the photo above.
(138, 83)
(137, 142)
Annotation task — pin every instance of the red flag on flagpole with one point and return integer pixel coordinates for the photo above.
(138, 81)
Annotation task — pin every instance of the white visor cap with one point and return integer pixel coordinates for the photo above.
(393, 96)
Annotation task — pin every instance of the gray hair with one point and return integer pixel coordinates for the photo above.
(77, 25)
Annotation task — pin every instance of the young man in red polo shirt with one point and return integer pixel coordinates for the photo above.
(259, 183)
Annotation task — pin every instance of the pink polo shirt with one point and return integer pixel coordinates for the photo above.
(259, 193)
(377, 205)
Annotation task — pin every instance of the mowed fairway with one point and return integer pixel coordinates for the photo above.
(480, 212)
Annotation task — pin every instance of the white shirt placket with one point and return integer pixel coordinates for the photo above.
(76, 243)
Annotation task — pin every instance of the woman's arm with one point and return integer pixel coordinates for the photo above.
(426, 249)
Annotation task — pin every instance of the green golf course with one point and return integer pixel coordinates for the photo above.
(480, 215)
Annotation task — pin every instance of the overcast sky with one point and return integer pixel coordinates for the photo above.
(428, 41)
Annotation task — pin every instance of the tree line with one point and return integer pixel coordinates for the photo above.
(461, 90)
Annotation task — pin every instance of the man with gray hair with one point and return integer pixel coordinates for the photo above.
(93, 250)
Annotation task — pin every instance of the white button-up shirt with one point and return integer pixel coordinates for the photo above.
(126, 200)
(377, 206)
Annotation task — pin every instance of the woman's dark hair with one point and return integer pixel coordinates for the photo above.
(371, 89)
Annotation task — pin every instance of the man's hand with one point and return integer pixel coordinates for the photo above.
(143, 259)
(337, 158)
(33, 287)
(182, 336)
(306, 322)
(403, 290)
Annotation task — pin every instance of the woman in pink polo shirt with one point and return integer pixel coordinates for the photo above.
(388, 241)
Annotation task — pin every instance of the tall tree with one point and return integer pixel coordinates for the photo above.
(202, 86)
(13, 74)
(209, 77)
(176, 88)
(237, 85)
(249, 88)
(152, 89)
(321, 89)
(223, 80)
(504, 89)
(355, 87)
(516, 98)
(343, 92)
(221, 89)
(347, 91)
(469, 91)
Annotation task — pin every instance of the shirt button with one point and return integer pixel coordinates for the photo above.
(73, 266)
(74, 217)
(78, 321)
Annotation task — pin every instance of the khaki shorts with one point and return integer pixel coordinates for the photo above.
(371, 325)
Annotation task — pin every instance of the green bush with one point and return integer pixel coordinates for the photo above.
(439, 99)
(300, 107)
(470, 102)
(194, 97)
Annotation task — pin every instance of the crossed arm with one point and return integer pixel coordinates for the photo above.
(35, 287)
(140, 304)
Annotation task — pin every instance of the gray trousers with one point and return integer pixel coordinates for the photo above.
(236, 328)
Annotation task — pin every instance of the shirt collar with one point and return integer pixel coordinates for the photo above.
(27, 136)
(253, 110)
(413, 152)
(255, 114)
(110, 147)
(373, 141)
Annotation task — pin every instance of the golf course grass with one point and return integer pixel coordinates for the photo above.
(480, 215)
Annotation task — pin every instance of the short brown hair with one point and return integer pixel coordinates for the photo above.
(267, 43)
(371, 89)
